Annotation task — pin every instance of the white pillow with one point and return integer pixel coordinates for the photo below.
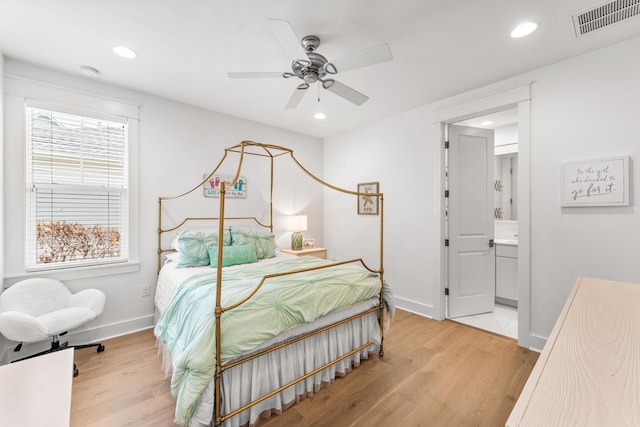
(172, 257)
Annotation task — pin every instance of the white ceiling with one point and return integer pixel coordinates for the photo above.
(493, 120)
(440, 47)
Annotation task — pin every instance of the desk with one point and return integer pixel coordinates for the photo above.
(588, 372)
(36, 392)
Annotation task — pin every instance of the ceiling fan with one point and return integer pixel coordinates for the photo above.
(311, 67)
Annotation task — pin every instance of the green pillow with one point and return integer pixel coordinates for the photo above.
(193, 247)
(233, 255)
(264, 242)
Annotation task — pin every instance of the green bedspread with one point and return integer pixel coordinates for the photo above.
(187, 325)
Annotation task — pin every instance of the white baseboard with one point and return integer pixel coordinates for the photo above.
(414, 307)
(531, 341)
(534, 342)
(82, 336)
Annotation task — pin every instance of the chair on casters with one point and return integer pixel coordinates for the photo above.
(34, 310)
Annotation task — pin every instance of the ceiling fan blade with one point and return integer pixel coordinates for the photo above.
(373, 55)
(255, 75)
(295, 99)
(346, 92)
(290, 41)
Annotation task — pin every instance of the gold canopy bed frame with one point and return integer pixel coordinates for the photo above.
(271, 152)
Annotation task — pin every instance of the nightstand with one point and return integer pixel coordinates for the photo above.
(317, 252)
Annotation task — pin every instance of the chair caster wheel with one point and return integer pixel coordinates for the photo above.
(100, 348)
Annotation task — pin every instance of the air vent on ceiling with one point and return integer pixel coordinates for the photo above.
(604, 15)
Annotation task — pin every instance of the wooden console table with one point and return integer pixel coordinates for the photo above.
(37, 392)
(589, 371)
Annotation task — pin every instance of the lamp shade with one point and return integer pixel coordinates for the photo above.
(297, 223)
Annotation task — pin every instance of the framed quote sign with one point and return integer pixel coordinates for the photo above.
(598, 182)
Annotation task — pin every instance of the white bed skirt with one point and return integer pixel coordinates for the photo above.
(257, 377)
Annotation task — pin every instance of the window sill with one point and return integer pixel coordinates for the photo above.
(79, 272)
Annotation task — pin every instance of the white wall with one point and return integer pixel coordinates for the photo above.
(4, 179)
(394, 152)
(586, 107)
(582, 109)
(178, 143)
(504, 135)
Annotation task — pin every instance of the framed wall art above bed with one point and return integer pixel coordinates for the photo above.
(211, 186)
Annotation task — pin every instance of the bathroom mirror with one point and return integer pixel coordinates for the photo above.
(506, 186)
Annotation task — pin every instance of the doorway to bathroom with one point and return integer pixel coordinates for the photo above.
(481, 180)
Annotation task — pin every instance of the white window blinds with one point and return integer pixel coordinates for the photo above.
(76, 190)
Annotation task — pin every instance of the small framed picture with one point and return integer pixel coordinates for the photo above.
(368, 205)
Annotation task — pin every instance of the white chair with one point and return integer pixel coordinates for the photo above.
(34, 310)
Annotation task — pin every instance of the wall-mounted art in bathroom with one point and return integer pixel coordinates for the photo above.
(597, 182)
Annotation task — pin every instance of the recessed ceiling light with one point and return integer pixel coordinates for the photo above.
(486, 123)
(319, 116)
(89, 71)
(124, 51)
(524, 29)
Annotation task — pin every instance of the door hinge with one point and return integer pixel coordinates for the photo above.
(446, 144)
(446, 193)
(491, 243)
(446, 291)
(446, 242)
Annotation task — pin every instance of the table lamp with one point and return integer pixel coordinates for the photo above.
(297, 224)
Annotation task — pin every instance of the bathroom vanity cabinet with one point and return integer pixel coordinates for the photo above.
(507, 274)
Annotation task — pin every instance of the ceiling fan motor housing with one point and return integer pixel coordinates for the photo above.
(310, 43)
(312, 70)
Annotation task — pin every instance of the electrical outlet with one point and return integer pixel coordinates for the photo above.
(146, 290)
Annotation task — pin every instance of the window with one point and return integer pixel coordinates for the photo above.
(77, 184)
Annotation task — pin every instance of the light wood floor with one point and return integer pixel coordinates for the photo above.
(432, 374)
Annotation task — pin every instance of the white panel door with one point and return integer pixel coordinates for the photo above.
(471, 259)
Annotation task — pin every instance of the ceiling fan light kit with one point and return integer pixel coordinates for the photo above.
(312, 67)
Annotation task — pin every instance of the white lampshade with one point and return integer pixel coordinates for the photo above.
(297, 223)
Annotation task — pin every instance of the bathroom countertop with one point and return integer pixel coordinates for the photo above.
(506, 242)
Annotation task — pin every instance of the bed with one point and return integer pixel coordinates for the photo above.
(247, 331)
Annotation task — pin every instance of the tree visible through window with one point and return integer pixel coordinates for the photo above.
(76, 189)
